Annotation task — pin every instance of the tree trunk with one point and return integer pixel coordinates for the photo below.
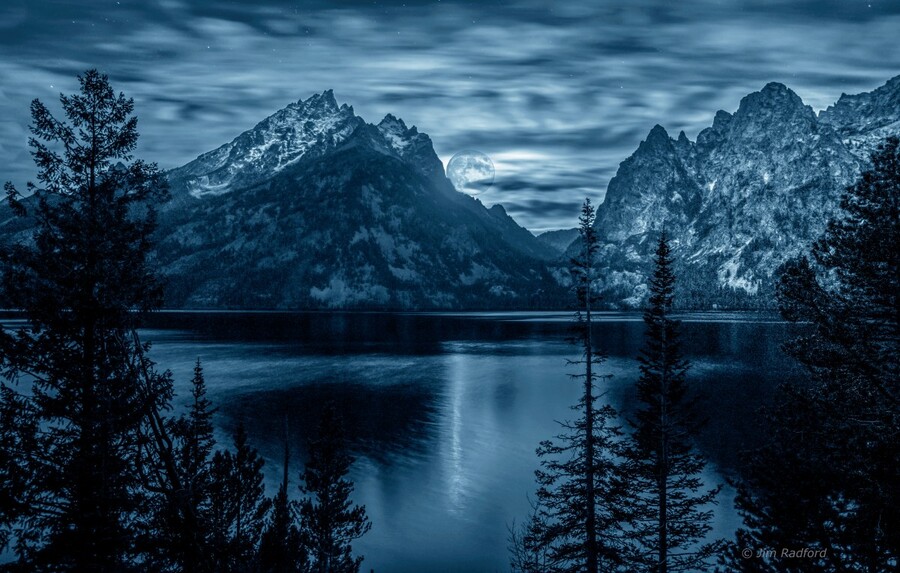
(590, 489)
(664, 459)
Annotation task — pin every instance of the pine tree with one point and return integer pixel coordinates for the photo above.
(577, 524)
(584, 270)
(70, 437)
(669, 504)
(222, 510)
(329, 520)
(828, 478)
(238, 506)
(177, 528)
(252, 504)
(527, 552)
(281, 548)
(195, 437)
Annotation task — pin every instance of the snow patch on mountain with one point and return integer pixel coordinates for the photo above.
(317, 124)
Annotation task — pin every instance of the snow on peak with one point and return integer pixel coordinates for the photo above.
(312, 126)
(324, 100)
(308, 128)
(392, 123)
(411, 146)
(397, 134)
(322, 105)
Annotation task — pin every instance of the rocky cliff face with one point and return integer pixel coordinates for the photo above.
(304, 129)
(865, 119)
(753, 190)
(314, 208)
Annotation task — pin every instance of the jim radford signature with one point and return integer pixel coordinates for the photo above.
(784, 553)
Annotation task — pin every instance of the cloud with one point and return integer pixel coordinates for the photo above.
(574, 86)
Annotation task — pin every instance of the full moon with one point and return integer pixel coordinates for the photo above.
(471, 171)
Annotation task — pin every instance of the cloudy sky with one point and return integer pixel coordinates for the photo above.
(556, 93)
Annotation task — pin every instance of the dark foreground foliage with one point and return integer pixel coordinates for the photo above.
(669, 505)
(576, 523)
(95, 475)
(75, 402)
(828, 478)
(610, 501)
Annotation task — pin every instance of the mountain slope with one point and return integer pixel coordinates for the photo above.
(316, 208)
(754, 190)
(559, 240)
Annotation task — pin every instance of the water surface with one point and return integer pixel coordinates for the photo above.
(444, 410)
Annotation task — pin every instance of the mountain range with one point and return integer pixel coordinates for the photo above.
(754, 189)
(316, 208)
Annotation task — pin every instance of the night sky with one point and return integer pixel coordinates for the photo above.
(556, 93)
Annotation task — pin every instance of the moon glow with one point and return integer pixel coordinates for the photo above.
(471, 171)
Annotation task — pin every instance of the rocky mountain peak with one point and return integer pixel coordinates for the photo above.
(755, 189)
(722, 120)
(892, 85)
(324, 101)
(658, 138)
(314, 207)
(714, 135)
(393, 124)
(683, 146)
(318, 108)
(863, 120)
(774, 118)
(774, 102)
(498, 208)
(411, 146)
(394, 130)
(305, 129)
(657, 146)
(650, 186)
(884, 101)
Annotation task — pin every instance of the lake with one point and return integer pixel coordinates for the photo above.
(444, 410)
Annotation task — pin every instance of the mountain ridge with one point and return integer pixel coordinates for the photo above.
(314, 207)
(753, 190)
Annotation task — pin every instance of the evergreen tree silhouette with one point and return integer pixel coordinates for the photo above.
(195, 438)
(329, 520)
(74, 406)
(238, 507)
(669, 505)
(828, 477)
(178, 528)
(577, 520)
(281, 549)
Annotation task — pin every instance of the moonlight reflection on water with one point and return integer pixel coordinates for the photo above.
(444, 410)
